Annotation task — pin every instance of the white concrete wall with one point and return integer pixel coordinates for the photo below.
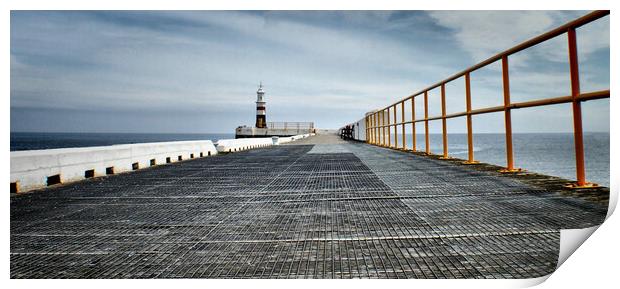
(359, 131)
(241, 144)
(30, 169)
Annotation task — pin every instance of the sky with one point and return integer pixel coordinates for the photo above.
(198, 71)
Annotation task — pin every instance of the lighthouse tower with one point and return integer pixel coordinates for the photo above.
(261, 117)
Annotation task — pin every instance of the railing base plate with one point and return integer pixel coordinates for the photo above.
(470, 162)
(511, 171)
(577, 186)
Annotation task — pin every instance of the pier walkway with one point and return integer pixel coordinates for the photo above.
(317, 208)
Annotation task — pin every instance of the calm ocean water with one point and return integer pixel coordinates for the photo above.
(547, 153)
(37, 141)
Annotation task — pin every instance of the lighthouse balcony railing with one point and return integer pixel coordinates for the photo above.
(291, 125)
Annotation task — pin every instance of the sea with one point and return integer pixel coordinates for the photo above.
(21, 141)
(547, 153)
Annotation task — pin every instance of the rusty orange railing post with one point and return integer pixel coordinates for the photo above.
(377, 129)
(402, 120)
(386, 129)
(377, 134)
(470, 137)
(380, 128)
(370, 129)
(389, 129)
(507, 117)
(383, 128)
(413, 134)
(426, 136)
(444, 126)
(577, 123)
(395, 129)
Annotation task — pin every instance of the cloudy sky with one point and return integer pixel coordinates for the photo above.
(198, 71)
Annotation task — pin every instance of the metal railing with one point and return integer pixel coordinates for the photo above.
(379, 124)
(291, 125)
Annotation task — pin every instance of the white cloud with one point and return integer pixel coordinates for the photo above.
(485, 33)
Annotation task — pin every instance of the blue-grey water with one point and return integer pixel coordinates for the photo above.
(547, 153)
(39, 140)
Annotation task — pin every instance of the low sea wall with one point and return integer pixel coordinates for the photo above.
(39, 168)
(241, 144)
(253, 132)
(237, 145)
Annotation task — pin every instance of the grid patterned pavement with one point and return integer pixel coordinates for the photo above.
(300, 211)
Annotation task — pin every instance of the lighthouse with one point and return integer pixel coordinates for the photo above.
(279, 129)
(261, 117)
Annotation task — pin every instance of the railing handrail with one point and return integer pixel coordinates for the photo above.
(599, 94)
(379, 122)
